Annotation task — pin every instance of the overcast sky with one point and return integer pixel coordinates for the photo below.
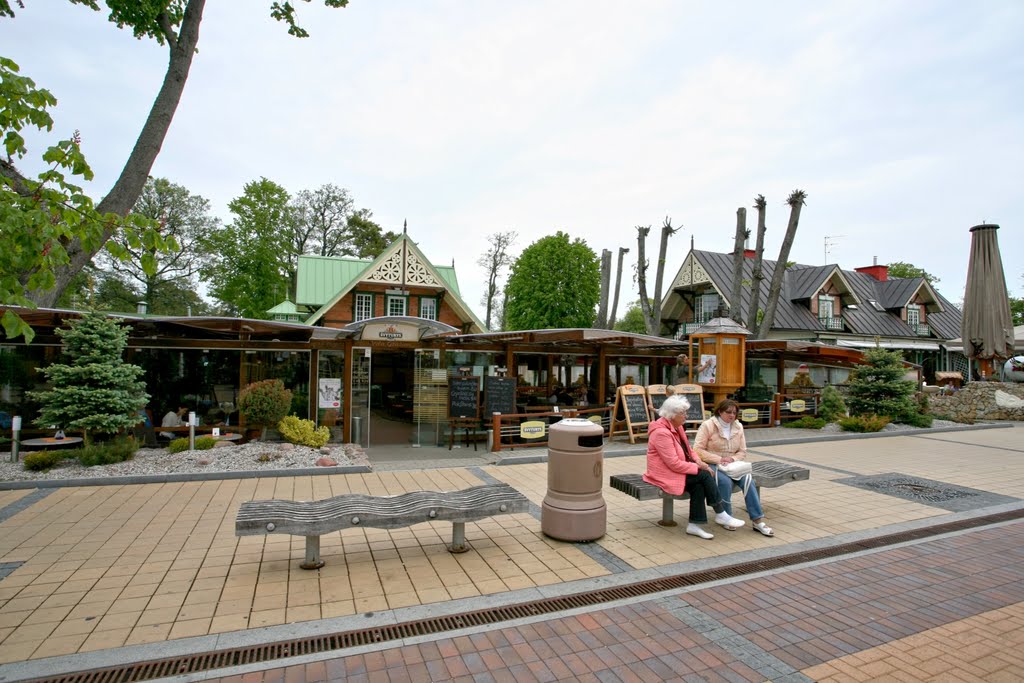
(903, 121)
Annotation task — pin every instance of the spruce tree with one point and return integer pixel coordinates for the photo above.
(832, 405)
(877, 387)
(95, 391)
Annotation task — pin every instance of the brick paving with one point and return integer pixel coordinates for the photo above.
(109, 575)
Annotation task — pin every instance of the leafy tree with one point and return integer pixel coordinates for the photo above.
(901, 269)
(1017, 310)
(367, 239)
(184, 218)
(633, 320)
(877, 387)
(95, 391)
(65, 243)
(248, 271)
(494, 260)
(555, 282)
(43, 218)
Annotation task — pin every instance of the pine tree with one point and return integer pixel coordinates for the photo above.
(95, 391)
(832, 405)
(878, 387)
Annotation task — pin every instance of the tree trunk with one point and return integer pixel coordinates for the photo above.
(796, 202)
(606, 276)
(618, 285)
(128, 187)
(735, 301)
(652, 308)
(757, 275)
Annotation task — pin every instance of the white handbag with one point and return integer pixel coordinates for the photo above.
(736, 469)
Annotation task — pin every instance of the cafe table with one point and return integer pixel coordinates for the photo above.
(51, 442)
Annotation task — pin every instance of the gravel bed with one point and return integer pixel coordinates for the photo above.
(253, 456)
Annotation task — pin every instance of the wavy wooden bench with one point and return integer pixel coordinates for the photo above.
(312, 519)
(767, 474)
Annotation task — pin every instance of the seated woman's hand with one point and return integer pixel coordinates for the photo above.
(727, 459)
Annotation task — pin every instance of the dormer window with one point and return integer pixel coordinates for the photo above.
(877, 306)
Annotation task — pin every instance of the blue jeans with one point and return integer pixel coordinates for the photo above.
(751, 498)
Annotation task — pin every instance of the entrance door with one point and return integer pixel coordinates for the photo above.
(361, 396)
(430, 396)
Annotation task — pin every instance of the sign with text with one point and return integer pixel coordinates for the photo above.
(391, 332)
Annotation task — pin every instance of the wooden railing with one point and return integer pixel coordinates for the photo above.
(763, 415)
(508, 431)
(793, 406)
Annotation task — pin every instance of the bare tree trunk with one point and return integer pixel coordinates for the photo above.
(796, 202)
(606, 276)
(128, 187)
(651, 308)
(618, 285)
(735, 301)
(757, 275)
(493, 260)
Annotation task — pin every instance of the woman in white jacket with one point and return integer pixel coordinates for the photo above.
(720, 441)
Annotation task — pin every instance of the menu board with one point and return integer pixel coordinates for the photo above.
(656, 393)
(630, 411)
(499, 395)
(464, 397)
(694, 393)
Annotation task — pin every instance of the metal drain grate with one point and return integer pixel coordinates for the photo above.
(150, 670)
(935, 493)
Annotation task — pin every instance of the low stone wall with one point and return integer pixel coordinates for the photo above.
(980, 401)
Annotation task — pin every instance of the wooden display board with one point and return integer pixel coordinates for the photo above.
(694, 393)
(499, 395)
(656, 395)
(464, 397)
(630, 412)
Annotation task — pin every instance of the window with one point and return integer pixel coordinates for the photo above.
(825, 310)
(913, 315)
(428, 308)
(396, 305)
(364, 306)
(704, 308)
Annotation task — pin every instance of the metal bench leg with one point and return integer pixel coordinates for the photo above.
(458, 538)
(668, 512)
(313, 560)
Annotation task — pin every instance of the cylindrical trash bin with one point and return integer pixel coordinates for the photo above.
(357, 430)
(574, 509)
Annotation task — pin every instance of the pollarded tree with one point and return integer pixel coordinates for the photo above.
(555, 282)
(96, 390)
(877, 387)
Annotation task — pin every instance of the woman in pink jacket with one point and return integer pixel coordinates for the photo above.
(673, 467)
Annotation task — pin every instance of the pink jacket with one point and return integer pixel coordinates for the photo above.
(667, 464)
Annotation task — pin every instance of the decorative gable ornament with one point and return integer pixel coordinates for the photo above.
(389, 271)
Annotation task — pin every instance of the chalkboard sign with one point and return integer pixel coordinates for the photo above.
(694, 393)
(630, 411)
(499, 395)
(464, 397)
(656, 394)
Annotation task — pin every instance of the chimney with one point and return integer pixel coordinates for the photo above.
(749, 253)
(879, 272)
(141, 307)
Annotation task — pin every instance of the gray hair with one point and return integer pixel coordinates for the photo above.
(674, 406)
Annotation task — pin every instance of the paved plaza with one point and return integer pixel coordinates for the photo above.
(902, 558)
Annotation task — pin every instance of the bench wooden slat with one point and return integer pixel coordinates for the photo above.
(315, 518)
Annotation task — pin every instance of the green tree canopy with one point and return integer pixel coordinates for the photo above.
(248, 270)
(901, 269)
(633, 320)
(555, 282)
(877, 387)
(95, 390)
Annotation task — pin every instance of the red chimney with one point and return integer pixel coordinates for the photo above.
(749, 253)
(880, 273)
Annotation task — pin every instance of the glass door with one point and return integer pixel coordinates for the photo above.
(330, 397)
(429, 396)
(361, 396)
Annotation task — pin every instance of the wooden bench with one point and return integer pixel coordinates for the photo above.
(767, 474)
(312, 519)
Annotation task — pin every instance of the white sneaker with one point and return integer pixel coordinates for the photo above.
(728, 521)
(695, 530)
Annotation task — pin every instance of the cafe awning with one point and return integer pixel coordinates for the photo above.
(909, 344)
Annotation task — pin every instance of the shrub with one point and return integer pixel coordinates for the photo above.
(109, 452)
(917, 420)
(832, 407)
(303, 432)
(203, 443)
(44, 460)
(805, 422)
(864, 423)
(264, 403)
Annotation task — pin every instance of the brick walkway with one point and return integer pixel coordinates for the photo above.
(113, 575)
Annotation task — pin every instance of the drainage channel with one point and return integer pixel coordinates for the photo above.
(269, 652)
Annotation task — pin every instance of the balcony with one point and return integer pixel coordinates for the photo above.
(835, 323)
(689, 328)
(921, 330)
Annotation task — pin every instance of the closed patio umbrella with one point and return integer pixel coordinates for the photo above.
(987, 328)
